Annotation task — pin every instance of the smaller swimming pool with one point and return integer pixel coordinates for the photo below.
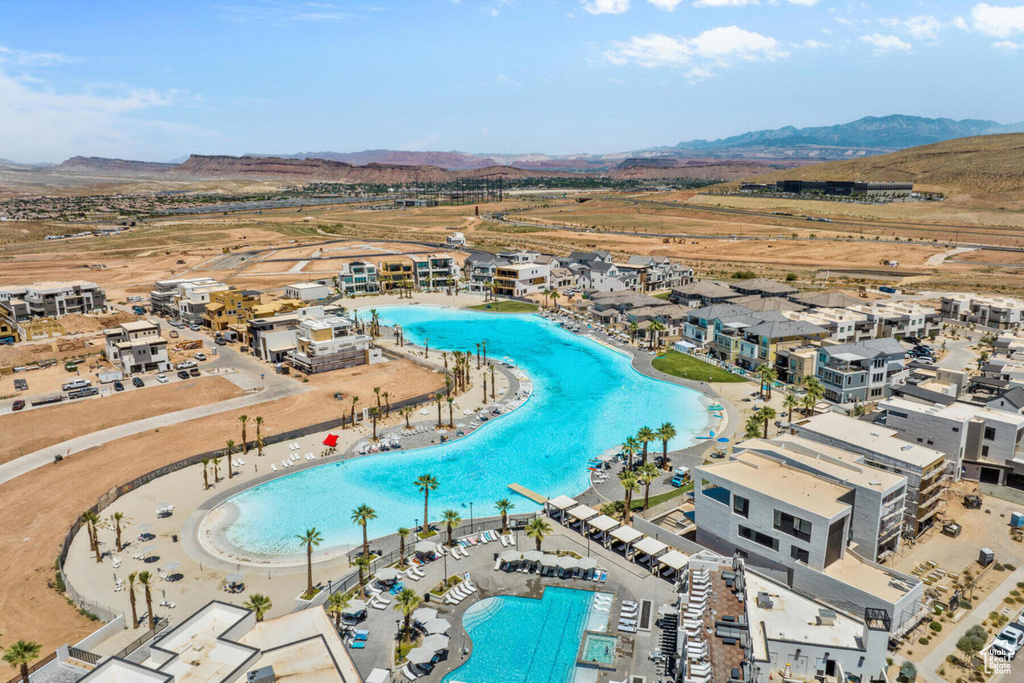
(598, 649)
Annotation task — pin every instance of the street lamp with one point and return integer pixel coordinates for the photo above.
(471, 518)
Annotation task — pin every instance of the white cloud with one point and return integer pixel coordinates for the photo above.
(998, 22)
(812, 44)
(605, 6)
(1007, 45)
(720, 47)
(724, 3)
(805, 3)
(960, 23)
(25, 58)
(886, 43)
(665, 4)
(924, 27)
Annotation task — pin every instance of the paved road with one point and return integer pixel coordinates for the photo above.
(960, 355)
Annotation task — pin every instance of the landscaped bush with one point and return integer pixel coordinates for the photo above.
(935, 626)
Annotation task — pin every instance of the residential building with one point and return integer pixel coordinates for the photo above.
(307, 291)
(190, 299)
(702, 293)
(760, 343)
(980, 443)
(763, 287)
(862, 371)
(50, 299)
(330, 343)
(396, 274)
(165, 293)
(456, 239)
(825, 299)
(760, 304)
(479, 272)
(521, 279)
(435, 271)
(602, 276)
(880, 447)
(901, 318)
(843, 326)
(358, 277)
(137, 347)
(843, 188)
(702, 324)
(8, 329)
(562, 277)
(1000, 312)
(230, 309)
(794, 364)
(654, 273)
(273, 338)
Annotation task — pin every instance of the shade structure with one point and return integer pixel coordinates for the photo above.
(145, 528)
(424, 614)
(603, 523)
(437, 626)
(420, 655)
(586, 563)
(626, 534)
(426, 547)
(172, 566)
(674, 559)
(379, 676)
(583, 513)
(549, 560)
(650, 546)
(562, 502)
(436, 642)
(355, 607)
(509, 555)
(387, 574)
(234, 578)
(148, 549)
(606, 457)
(533, 556)
(331, 440)
(565, 562)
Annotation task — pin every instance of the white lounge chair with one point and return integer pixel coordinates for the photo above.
(273, 467)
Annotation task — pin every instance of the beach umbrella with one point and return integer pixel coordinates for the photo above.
(426, 547)
(424, 614)
(723, 439)
(420, 655)
(148, 549)
(355, 607)
(437, 626)
(234, 578)
(172, 566)
(387, 574)
(160, 507)
(436, 642)
(145, 528)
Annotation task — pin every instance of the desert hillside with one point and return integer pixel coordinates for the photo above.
(987, 167)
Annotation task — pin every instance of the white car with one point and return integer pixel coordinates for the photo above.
(200, 356)
(161, 378)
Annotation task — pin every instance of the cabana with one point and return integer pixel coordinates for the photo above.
(580, 514)
(387, 575)
(600, 526)
(436, 642)
(672, 564)
(625, 535)
(557, 506)
(436, 626)
(649, 549)
(565, 566)
(379, 676)
(356, 609)
(509, 559)
(532, 558)
(585, 567)
(428, 548)
(424, 614)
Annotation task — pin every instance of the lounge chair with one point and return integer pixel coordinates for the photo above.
(273, 467)
(504, 541)
(357, 644)
(408, 673)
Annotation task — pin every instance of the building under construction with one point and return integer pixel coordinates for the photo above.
(453, 193)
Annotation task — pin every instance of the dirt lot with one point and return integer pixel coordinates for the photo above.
(38, 507)
(36, 428)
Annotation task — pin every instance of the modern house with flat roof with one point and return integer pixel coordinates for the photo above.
(358, 277)
(435, 270)
(307, 291)
(1000, 312)
(51, 299)
(330, 343)
(137, 347)
(191, 300)
(230, 309)
(163, 297)
(521, 279)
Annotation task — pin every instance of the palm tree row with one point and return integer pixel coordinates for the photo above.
(644, 437)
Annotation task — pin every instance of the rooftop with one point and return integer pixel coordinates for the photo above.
(835, 463)
(872, 579)
(871, 437)
(961, 412)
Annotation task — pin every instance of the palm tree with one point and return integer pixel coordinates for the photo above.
(645, 436)
(216, 470)
(259, 604)
(814, 388)
(656, 329)
(259, 437)
(387, 404)
(406, 411)
(311, 538)
(537, 529)
(769, 376)
(131, 598)
(666, 433)
(554, 298)
(504, 505)
(444, 357)
(374, 414)
(227, 455)
(355, 400)
(406, 602)
(451, 520)
(492, 382)
(117, 520)
(633, 327)
(631, 485)
(752, 428)
(647, 474)
(336, 605)
(791, 401)
(245, 444)
(808, 403)
(90, 518)
(361, 516)
(451, 413)
(145, 580)
(483, 349)
(362, 563)
(206, 474)
(767, 415)
(630, 448)
(403, 532)
(437, 397)
(426, 483)
(21, 654)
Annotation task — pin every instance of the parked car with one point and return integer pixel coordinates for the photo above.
(194, 327)
(162, 378)
(183, 374)
(18, 405)
(909, 338)
(681, 476)
(137, 382)
(200, 356)
(185, 365)
(220, 341)
(118, 386)
(76, 384)
(194, 372)
(1009, 642)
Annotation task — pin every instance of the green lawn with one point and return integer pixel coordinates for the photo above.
(688, 367)
(663, 295)
(506, 307)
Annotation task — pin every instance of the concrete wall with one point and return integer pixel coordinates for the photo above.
(933, 431)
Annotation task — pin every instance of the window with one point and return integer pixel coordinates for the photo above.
(741, 506)
(799, 554)
(990, 433)
(759, 538)
(794, 526)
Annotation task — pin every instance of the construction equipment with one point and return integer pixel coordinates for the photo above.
(189, 344)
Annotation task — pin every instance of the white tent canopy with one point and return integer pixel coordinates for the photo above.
(379, 676)
(424, 614)
(626, 534)
(426, 547)
(603, 523)
(562, 502)
(420, 655)
(583, 513)
(650, 546)
(355, 607)
(674, 559)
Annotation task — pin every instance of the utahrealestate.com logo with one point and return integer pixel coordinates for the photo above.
(996, 663)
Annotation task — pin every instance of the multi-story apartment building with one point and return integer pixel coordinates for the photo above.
(980, 443)
(862, 371)
(273, 337)
(230, 309)
(358, 277)
(395, 274)
(435, 271)
(330, 343)
(521, 279)
(653, 273)
(192, 299)
(163, 297)
(1000, 312)
(843, 326)
(50, 299)
(879, 447)
(901, 319)
(137, 347)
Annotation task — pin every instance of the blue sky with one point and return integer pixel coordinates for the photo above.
(160, 80)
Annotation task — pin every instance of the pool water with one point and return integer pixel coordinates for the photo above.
(598, 648)
(524, 640)
(587, 398)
